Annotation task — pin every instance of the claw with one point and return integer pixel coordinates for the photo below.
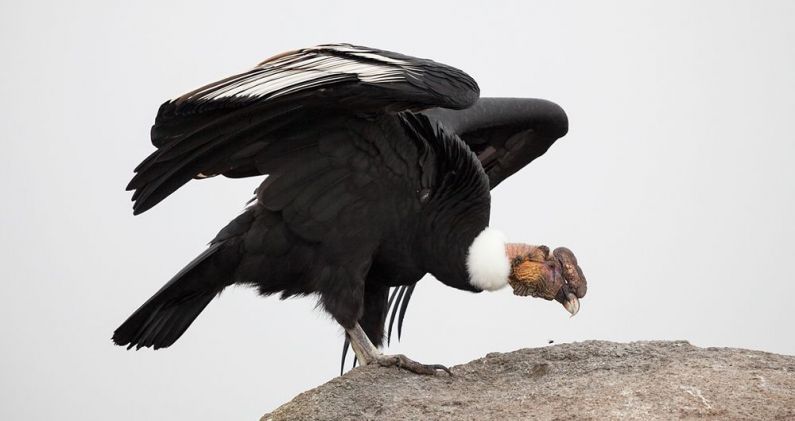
(441, 367)
(367, 353)
(401, 361)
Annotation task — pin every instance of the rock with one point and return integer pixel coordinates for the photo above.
(588, 380)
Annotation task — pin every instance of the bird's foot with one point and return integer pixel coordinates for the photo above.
(368, 354)
(401, 361)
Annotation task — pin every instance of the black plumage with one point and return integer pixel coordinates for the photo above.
(379, 169)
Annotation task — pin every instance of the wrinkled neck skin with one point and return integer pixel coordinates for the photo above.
(514, 250)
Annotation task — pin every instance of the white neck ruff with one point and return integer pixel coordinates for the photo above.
(487, 263)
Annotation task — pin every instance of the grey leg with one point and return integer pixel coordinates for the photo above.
(367, 353)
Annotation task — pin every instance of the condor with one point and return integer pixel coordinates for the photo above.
(379, 169)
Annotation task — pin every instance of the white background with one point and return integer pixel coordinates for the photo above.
(674, 187)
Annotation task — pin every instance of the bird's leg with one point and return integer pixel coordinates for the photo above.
(367, 353)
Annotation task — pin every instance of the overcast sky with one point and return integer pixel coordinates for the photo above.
(674, 187)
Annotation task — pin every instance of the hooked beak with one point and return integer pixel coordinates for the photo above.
(570, 301)
(572, 304)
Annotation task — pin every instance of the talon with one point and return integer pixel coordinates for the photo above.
(441, 367)
(367, 354)
(403, 362)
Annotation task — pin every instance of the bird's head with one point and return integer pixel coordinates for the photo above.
(530, 270)
(552, 276)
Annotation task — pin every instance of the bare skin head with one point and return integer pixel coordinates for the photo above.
(551, 276)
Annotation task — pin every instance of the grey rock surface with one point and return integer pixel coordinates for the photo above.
(587, 380)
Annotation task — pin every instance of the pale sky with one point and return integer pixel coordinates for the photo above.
(674, 187)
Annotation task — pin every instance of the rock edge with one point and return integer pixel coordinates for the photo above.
(586, 380)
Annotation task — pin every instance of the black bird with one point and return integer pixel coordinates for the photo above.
(379, 167)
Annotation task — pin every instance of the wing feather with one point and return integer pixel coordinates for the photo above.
(506, 133)
(225, 127)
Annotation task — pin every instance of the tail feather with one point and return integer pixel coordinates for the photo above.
(162, 319)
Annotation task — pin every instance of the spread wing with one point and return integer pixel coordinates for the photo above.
(223, 127)
(506, 134)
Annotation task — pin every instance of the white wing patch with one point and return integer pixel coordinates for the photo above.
(305, 69)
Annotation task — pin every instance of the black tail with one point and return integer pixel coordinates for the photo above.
(165, 317)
